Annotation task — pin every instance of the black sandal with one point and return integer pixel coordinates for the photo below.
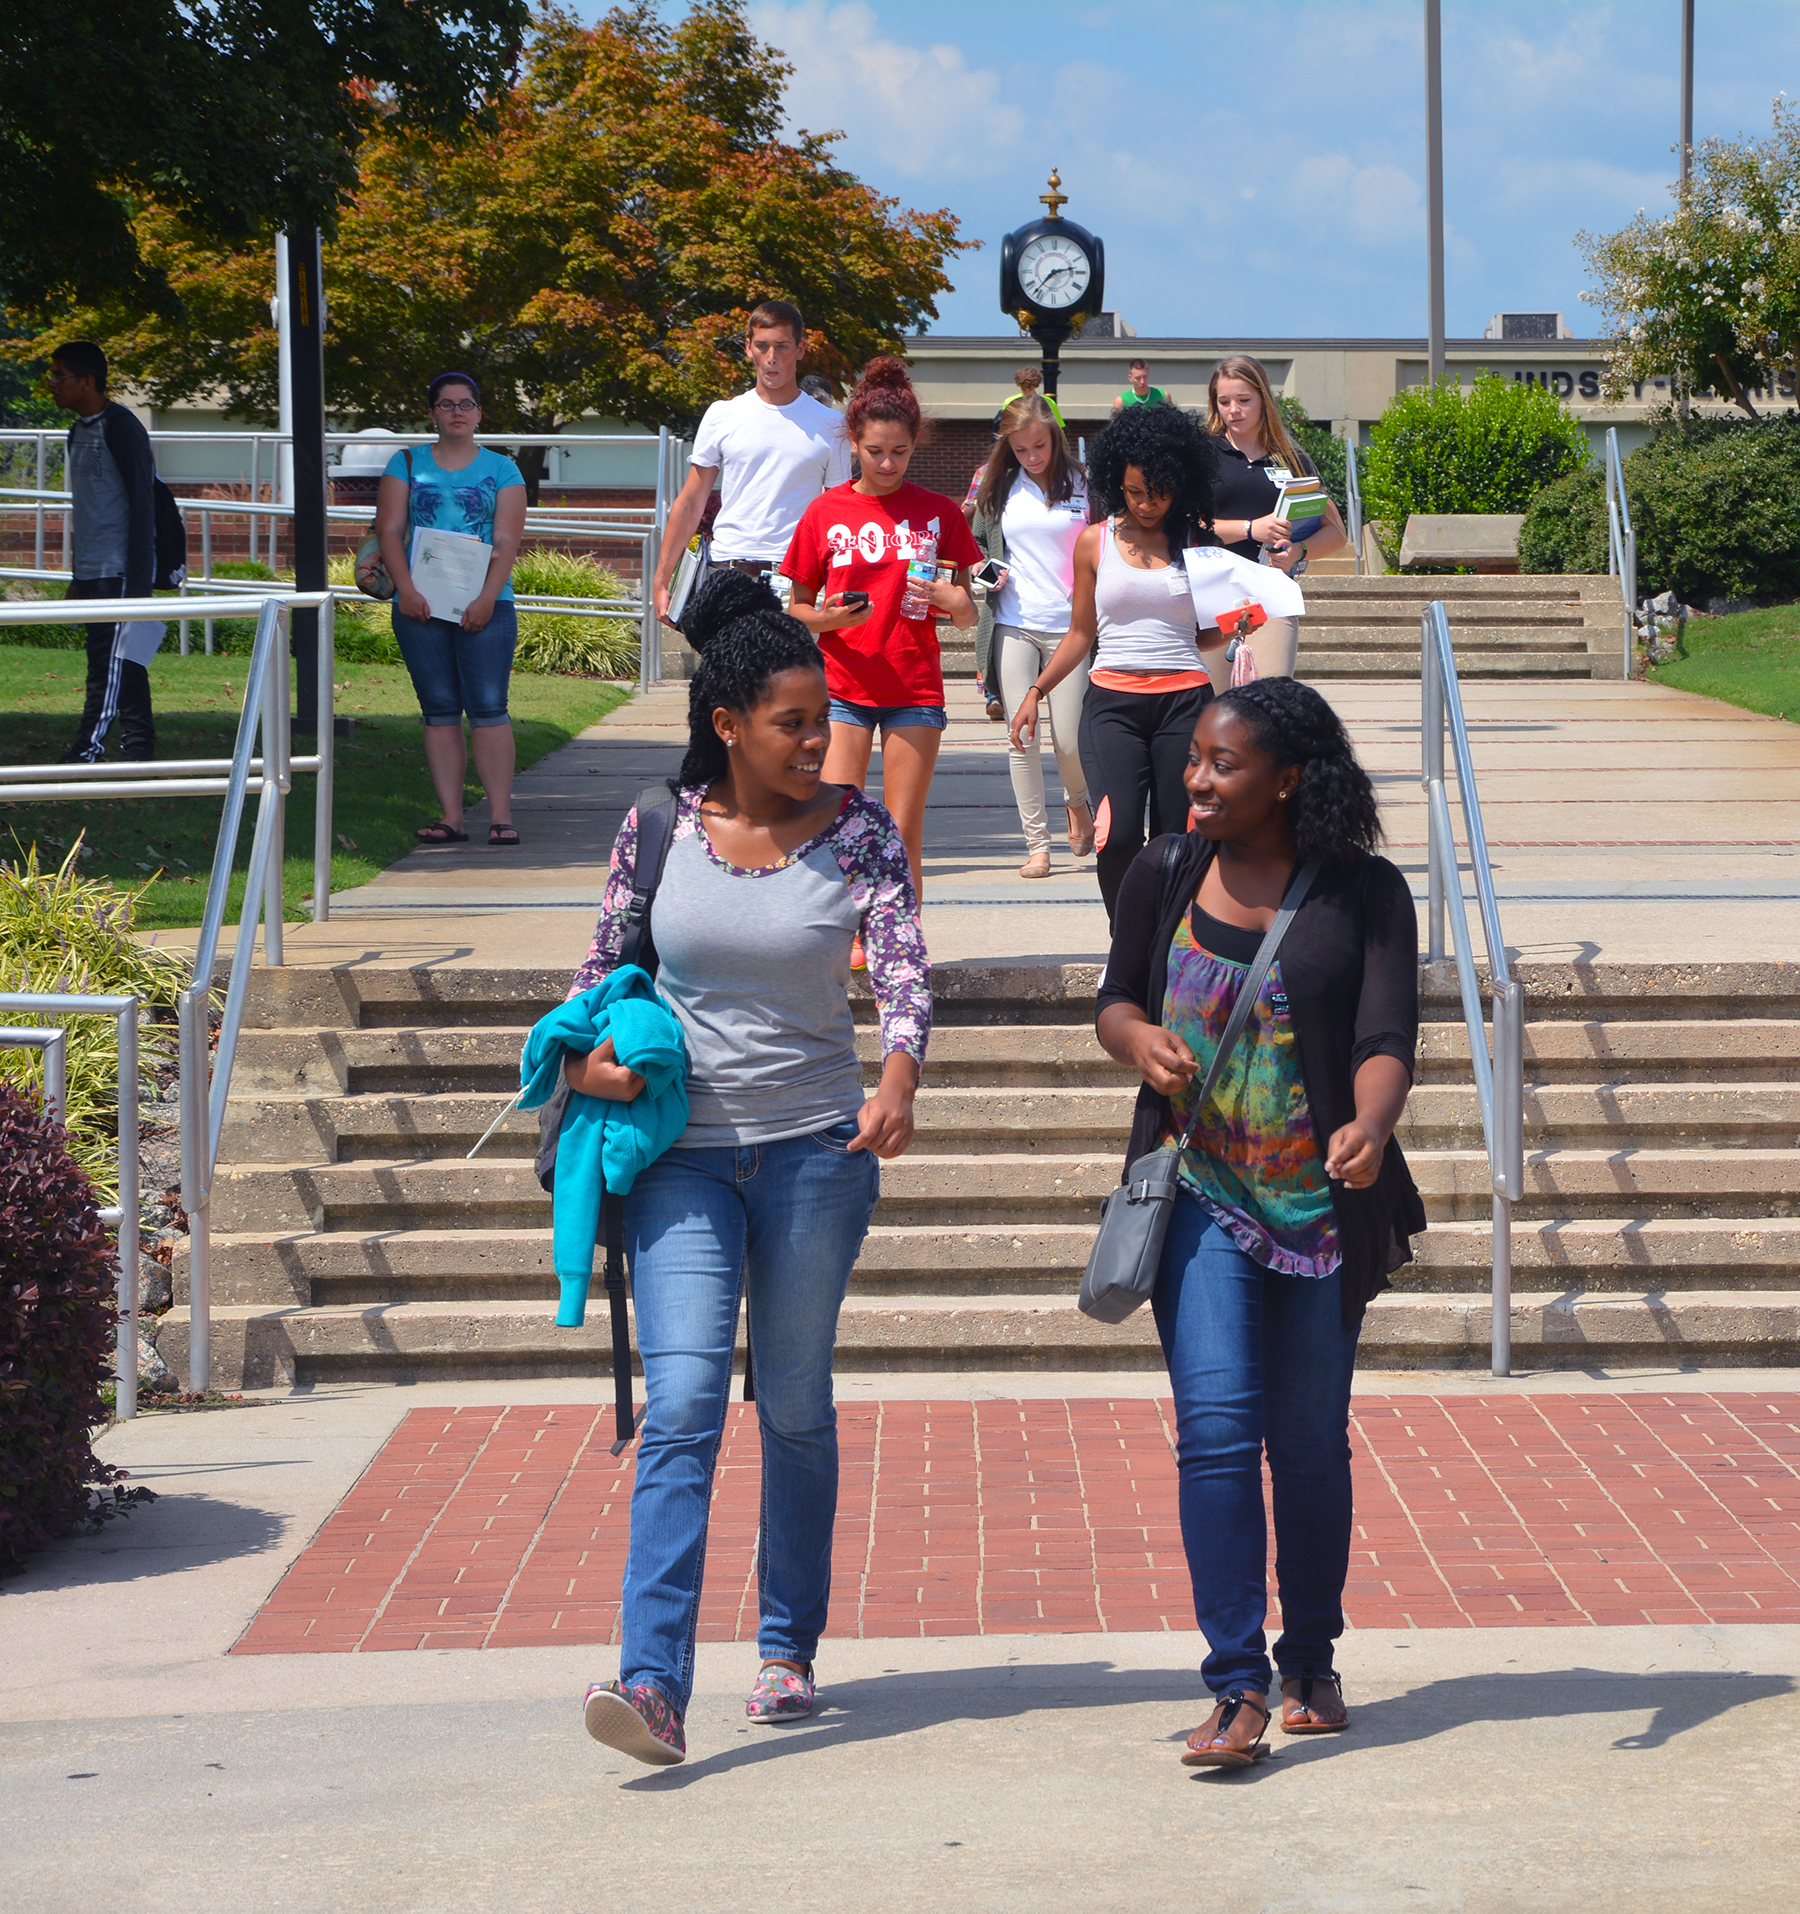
(1302, 1727)
(1207, 1756)
(440, 833)
(502, 834)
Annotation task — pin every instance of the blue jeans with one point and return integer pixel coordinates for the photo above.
(1257, 1358)
(454, 671)
(889, 717)
(786, 1221)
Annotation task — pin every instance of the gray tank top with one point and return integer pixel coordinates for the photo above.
(1145, 620)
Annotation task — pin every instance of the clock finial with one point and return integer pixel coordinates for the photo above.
(1056, 199)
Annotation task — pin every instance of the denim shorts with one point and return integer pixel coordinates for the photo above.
(879, 717)
(454, 671)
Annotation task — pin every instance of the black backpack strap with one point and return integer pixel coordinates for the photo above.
(612, 1238)
(656, 808)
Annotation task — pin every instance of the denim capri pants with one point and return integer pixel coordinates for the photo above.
(454, 671)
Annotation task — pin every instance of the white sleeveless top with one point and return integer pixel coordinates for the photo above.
(1145, 620)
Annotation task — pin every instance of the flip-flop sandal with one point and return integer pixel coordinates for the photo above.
(1207, 1756)
(502, 834)
(440, 834)
(1297, 1726)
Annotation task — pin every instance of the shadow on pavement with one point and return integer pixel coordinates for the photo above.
(881, 1707)
(176, 1532)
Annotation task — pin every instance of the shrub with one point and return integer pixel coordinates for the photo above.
(63, 932)
(1491, 447)
(1565, 525)
(58, 1319)
(551, 642)
(1715, 503)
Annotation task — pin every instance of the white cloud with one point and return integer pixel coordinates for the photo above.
(922, 110)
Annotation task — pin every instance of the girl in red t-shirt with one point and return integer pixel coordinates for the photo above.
(882, 670)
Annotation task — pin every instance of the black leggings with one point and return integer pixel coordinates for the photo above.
(1134, 747)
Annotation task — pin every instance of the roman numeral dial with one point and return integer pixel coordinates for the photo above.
(1054, 271)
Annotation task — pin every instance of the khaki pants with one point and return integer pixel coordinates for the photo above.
(1021, 655)
(1275, 646)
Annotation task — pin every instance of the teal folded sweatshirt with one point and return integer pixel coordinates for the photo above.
(603, 1144)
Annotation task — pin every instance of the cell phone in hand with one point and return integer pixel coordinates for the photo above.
(989, 573)
(854, 600)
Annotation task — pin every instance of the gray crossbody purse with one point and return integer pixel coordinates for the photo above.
(1134, 1219)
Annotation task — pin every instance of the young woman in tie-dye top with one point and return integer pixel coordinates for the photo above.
(1294, 1202)
(767, 1195)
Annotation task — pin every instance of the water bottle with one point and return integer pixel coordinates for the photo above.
(921, 575)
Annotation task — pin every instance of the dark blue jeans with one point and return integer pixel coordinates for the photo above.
(1257, 1358)
(785, 1221)
(454, 671)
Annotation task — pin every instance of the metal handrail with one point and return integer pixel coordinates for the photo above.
(1621, 540)
(204, 1092)
(641, 525)
(1499, 1074)
(125, 1217)
(205, 777)
(1353, 498)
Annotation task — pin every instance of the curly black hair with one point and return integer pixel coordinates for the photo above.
(1175, 456)
(744, 639)
(1333, 813)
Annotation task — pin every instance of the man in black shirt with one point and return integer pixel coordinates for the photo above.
(112, 545)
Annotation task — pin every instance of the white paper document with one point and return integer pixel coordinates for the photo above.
(449, 568)
(1220, 581)
(140, 641)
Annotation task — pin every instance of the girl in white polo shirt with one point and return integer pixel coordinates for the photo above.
(1030, 510)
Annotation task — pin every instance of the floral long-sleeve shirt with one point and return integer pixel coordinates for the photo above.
(865, 846)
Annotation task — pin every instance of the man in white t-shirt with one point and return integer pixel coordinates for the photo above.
(772, 451)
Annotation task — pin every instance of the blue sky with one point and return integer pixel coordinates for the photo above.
(1258, 170)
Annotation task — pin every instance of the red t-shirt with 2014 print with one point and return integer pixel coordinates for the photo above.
(848, 541)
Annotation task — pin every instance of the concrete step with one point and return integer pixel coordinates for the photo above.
(475, 1060)
(258, 1347)
(1327, 661)
(1677, 1050)
(332, 1268)
(967, 1125)
(954, 1191)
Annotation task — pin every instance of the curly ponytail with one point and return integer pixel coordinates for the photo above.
(744, 639)
(1333, 813)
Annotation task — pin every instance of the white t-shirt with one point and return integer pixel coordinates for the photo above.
(772, 461)
(1040, 556)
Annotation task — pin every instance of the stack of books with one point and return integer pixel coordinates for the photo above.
(1302, 503)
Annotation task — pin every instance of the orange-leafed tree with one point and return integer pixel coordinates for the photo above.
(596, 251)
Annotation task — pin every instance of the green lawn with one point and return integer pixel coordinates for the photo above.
(383, 791)
(1751, 658)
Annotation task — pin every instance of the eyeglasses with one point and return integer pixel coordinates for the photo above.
(457, 405)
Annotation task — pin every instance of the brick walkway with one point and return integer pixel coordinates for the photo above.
(494, 1528)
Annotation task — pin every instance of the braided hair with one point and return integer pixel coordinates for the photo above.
(744, 639)
(1177, 460)
(1333, 813)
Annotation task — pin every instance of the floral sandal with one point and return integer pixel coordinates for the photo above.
(1202, 1748)
(782, 1692)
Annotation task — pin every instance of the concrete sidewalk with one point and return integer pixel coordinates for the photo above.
(1503, 1768)
(1628, 823)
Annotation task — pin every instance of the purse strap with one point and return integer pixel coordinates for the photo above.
(1251, 988)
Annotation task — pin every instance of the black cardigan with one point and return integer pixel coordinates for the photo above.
(1350, 964)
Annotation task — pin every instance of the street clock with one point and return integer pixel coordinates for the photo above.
(1052, 278)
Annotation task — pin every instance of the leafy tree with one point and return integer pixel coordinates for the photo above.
(1490, 447)
(242, 115)
(596, 250)
(1709, 296)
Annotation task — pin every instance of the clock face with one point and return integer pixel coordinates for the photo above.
(1053, 271)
